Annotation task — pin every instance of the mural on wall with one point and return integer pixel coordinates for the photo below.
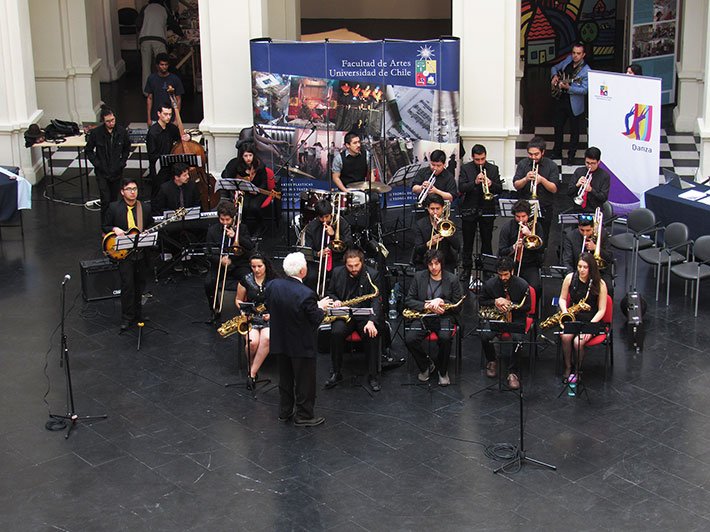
(549, 28)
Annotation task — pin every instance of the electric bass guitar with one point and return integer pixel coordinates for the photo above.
(109, 242)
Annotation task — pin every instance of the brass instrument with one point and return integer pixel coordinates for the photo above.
(415, 314)
(323, 259)
(518, 257)
(560, 318)
(425, 191)
(443, 225)
(486, 190)
(354, 301)
(533, 184)
(598, 219)
(582, 192)
(222, 269)
(532, 241)
(239, 324)
(337, 245)
(492, 313)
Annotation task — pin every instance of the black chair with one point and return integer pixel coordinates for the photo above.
(675, 237)
(639, 223)
(697, 269)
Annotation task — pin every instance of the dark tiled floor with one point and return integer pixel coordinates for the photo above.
(179, 451)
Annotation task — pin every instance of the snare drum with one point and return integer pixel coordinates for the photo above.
(359, 199)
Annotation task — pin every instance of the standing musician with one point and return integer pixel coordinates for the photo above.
(246, 165)
(510, 244)
(427, 237)
(590, 184)
(430, 289)
(445, 183)
(251, 289)
(503, 291)
(547, 173)
(314, 238)
(122, 215)
(178, 192)
(234, 258)
(584, 283)
(354, 280)
(475, 179)
(583, 240)
(160, 139)
(295, 315)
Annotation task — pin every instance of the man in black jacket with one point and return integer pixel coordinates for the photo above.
(108, 148)
(425, 239)
(509, 245)
(179, 192)
(476, 210)
(122, 216)
(160, 139)
(352, 280)
(444, 183)
(430, 289)
(503, 291)
(314, 238)
(572, 248)
(595, 192)
(295, 314)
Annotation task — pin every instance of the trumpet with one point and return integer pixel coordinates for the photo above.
(414, 314)
(218, 298)
(425, 191)
(533, 184)
(581, 197)
(486, 190)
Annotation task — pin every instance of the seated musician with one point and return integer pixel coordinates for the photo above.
(246, 165)
(583, 240)
(322, 244)
(510, 243)
(502, 292)
(161, 138)
(429, 291)
(251, 289)
(587, 284)
(444, 184)
(355, 280)
(178, 192)
(595, 192)
(222, 250)
(123, 215)
(427, 237)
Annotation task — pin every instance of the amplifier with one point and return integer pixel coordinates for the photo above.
(99, 279)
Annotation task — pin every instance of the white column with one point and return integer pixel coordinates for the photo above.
(490, 76)
(18, 101)
(693, 48)
(65, 58)
(104, 20)
(225, 29)
(704, 119)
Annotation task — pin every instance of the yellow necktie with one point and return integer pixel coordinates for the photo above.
(131, 219)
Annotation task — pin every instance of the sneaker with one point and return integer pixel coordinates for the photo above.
(491, 369)
(444, 379)
(313, 422)
(424, 375)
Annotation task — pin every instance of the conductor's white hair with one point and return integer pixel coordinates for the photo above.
(294, 263)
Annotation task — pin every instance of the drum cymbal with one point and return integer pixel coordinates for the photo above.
(299, 171)
(377, 186)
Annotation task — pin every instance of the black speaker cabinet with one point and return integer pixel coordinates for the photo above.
(99, 279)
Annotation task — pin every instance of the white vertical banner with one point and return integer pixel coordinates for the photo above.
(625, 124)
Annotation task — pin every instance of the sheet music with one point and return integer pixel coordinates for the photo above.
(692, 194)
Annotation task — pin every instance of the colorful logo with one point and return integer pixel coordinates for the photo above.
(638, 122)
(425, 67)
(603, 90)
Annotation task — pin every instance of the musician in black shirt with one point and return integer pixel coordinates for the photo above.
(246, 165)
(426, 236)
(573, 247)
(160, 140)
(444, 183)
(179, 192)
(510, 243)
(596, 192)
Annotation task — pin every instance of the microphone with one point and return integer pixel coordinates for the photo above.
(67, 277)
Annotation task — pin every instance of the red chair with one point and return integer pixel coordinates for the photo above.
(606, 339)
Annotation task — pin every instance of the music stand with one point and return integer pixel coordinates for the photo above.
(191, 213)
(232, 184)
(578, 328)
(190, 159)
(249, 309)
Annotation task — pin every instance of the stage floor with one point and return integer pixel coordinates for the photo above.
(180, 451)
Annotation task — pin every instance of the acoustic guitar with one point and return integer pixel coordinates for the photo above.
(556, 91)
(109, 242)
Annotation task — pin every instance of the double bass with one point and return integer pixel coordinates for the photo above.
(206, 182)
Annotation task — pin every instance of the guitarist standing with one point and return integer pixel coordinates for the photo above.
(569, 84)
(122, 216)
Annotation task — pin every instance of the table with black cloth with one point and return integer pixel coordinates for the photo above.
(8, 198)
(663, 200)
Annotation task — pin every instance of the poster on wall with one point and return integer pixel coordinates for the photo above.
(401, 97)
(654, 41)
(625, 124)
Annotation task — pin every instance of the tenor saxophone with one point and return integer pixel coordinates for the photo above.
(354, 301)
(492, 313)
(414, 314)
(562, 317)
(239, 324)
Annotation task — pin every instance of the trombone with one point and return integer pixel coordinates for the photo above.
(442, 226)
(533, 184)
(337, 245)
(222, 268)
(425, 191)
(533, 241)
(582, 192)
(323, 259)
(486, 190)
(598, 220)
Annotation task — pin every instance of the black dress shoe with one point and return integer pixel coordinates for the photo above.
(285, 419)
(374, 384)
(250, 383)
(125, 324)
(313, 422)
(333, 380)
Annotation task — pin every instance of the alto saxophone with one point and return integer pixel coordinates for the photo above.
(414, 314)
(561, 317)
(239, 324)
(354, 301)
(492, 313)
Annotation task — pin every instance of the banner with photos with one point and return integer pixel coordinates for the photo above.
(401, 96)
(625, 124)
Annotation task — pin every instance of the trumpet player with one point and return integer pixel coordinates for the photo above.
(503, 291)
(586, 283)
(427, 236)
(589, 184)
(321, 243)
(541, 170)
(584, 240)
(444, 183)
(510, 244)
(430, 289)
(220, 242)
(479, 182)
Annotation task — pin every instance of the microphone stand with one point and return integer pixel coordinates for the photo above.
(59, 422)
